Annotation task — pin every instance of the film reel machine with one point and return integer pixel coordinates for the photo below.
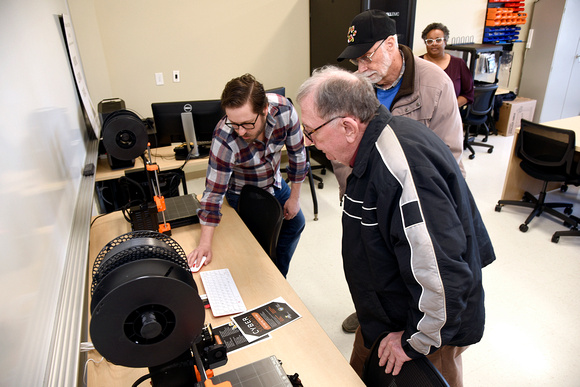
(146, 312)
(125, 138)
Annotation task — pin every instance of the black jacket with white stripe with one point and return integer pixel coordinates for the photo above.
(413, 242)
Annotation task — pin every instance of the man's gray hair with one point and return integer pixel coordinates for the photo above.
(338, 92)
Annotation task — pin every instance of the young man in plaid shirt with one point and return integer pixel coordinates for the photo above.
(246, 149)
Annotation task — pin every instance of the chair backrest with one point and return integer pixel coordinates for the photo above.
(263, 215)
(417, 372)
(546, 147)
(277, 90)
(483, 98)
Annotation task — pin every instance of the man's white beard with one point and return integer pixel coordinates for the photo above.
(371, 75)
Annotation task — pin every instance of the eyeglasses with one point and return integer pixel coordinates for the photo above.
(431, 42)
(368, 58)
(309, 134)
(246, 125)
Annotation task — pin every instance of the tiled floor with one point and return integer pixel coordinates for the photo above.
(532, 290)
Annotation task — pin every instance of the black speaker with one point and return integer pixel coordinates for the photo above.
(401, 11)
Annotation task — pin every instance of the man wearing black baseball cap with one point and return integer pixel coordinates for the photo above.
(408, 86)
(405, 84)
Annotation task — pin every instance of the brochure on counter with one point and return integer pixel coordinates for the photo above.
(264, 319)
(233, 339)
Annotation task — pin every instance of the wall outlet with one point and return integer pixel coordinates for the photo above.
(159, 79)
(176, 77)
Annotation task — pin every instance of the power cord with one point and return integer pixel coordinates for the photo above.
(86, 347)
(96, 217)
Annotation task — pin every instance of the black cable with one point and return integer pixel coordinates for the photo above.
(102, 194)
(141, 380)
(187, 158)
(173, 180)
(124, 179)
(96, 217)
(125, 210)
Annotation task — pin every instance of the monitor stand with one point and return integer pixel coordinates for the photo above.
(189, 131)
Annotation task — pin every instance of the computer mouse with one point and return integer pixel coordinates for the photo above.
(200, 262)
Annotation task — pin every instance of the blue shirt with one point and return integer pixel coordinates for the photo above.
(386, 97)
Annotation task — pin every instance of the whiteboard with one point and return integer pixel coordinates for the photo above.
(42, 152)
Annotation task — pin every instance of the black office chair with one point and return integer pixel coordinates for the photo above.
(574, 231)
(547, 154)
(415, 373)
(477, 115)
(263, 215)
(322, 166)
(311, 177)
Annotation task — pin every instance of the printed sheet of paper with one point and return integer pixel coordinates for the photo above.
(264, 319)
(233, 339)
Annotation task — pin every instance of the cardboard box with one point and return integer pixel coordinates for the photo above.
(511, 114)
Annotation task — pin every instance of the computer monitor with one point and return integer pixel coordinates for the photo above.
(277, 90)
(169, 121)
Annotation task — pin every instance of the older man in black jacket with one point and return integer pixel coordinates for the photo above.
(414, 242)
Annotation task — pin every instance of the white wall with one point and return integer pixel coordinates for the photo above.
(209, 42)
(42, 151)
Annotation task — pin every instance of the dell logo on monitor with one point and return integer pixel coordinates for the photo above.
(187, 107)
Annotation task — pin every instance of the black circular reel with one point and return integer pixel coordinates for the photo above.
(124, 135)
(145, 305)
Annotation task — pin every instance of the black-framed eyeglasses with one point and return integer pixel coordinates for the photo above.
(430, 42)
(309, 134)
(245, 125)
(368, 58)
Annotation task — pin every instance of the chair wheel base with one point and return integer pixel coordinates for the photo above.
(498, 207)
(471, 157)
(523, 227)
(555, 238)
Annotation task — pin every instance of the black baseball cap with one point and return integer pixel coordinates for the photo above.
(366, 29)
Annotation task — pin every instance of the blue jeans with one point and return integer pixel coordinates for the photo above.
(290, 232)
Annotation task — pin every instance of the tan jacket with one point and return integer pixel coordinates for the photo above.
(426, 95)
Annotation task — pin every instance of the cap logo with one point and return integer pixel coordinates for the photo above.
(350, 34)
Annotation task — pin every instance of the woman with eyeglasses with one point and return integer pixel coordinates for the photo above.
(435, 36)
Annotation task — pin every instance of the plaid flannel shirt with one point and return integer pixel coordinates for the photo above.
(234, 163)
